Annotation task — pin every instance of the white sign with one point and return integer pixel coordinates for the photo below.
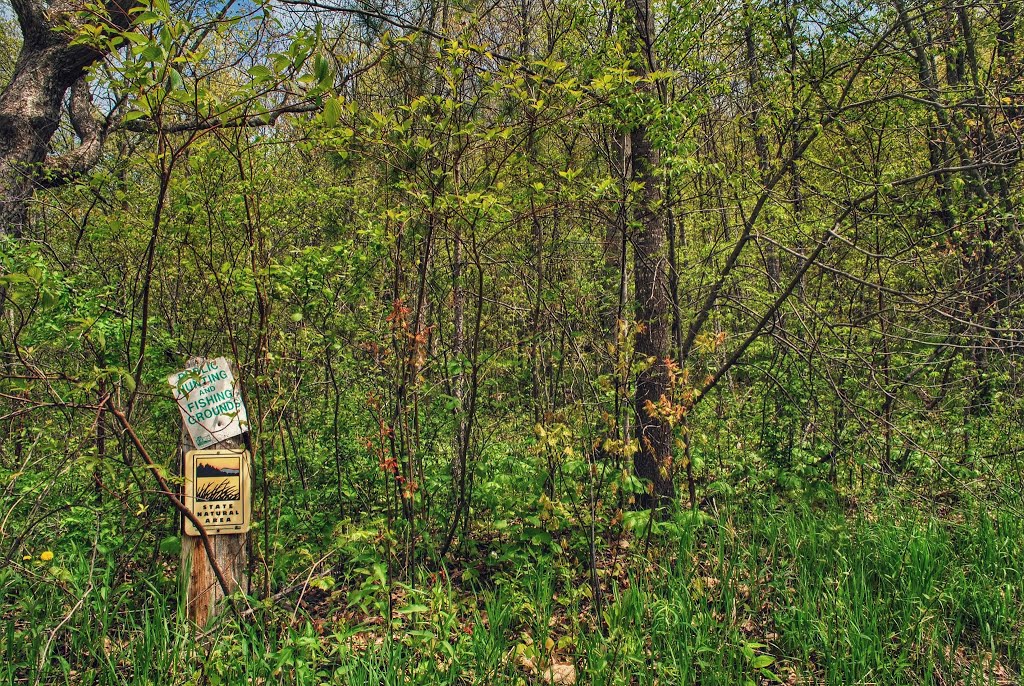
(210, 402)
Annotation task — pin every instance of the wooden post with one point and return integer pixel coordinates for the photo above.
(230, 550)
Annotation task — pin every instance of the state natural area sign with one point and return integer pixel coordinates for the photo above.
(217, 486)
(210, 402)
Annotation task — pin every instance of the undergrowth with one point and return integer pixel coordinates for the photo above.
(791, 596)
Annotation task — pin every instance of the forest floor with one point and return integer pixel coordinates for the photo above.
(842, 594)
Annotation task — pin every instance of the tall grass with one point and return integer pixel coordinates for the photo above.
(795, 596)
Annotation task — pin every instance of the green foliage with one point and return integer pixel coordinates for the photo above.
(427, 274)
(758, 596)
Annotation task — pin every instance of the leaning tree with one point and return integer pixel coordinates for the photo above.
(50, 71)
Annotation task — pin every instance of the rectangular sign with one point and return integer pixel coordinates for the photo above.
(217, 490)
(210, 402)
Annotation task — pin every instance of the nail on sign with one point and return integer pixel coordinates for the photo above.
(210, 402)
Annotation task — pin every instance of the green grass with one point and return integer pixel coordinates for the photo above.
(796, 596)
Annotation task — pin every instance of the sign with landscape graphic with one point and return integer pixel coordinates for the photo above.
(217, 486)
(210, 402)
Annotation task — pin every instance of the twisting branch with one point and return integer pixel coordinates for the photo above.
(90, 127)
(166, 488)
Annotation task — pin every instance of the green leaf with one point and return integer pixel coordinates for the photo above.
(419, 633)
(332, 111)
(321, 69)
(129, 380)
(762, 661)
(136, 37)
(171, 545)
(409, 609)
(174, 80)
(281, 62)
(260, 73)
(152, 53)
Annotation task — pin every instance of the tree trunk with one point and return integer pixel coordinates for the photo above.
(653, 462)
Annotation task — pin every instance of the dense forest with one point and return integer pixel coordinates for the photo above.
(580, 341)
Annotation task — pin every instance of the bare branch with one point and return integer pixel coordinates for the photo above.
(210, 123)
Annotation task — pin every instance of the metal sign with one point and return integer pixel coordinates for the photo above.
(217, 490)
(210, 402)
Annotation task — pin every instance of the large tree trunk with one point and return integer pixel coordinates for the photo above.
(48, 67)
(653, 462)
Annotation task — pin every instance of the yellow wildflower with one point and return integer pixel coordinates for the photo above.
(46, 556)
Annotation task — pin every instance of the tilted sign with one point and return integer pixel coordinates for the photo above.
(217, 488)
(210, 402)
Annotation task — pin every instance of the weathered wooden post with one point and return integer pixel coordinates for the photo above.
(217, 472)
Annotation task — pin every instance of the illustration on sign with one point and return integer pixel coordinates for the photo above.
(210, 402)
(217, 490)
